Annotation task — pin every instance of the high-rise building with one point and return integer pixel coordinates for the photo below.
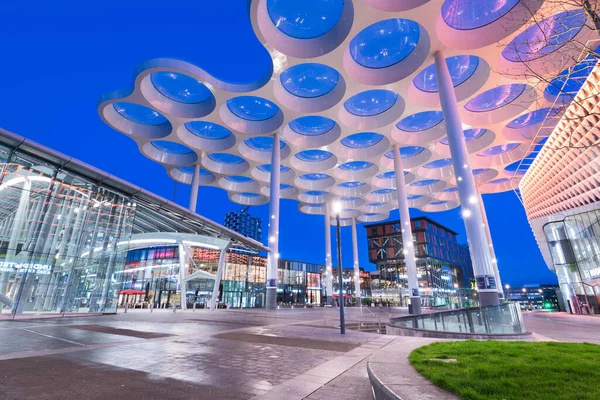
(244, 223)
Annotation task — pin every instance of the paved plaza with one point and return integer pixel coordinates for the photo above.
(226, 354)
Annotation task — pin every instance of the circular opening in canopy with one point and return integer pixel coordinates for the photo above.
(473, 14)
(534, 117)
(226, 158)
(171, 147)
(139, 114)
(450, 190)
(565, 86)
(239, 179)
(385, 43)
(309, 80)
(406, 152)
(461, 68)
(425, 182)
(383, 191)
(267, 168)
(179, 87)
(444, 162)
(389, 175)
(470, 134)
(501, 180)
(420, 121)
(316, 193)
(438, 203)
(352, 184)
(207, 130)
(312, 125)
(520, 166)
(249, 194)
(314, 177)
(362, 140)
(371, 102)
(480, 171)
(252, 108)
(262, 143)
(495, 98)
(355, 165)
(305, 19)
(497, 150)
(313, 155)
(414, 197)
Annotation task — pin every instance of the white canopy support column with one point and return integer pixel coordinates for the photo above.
(356, 266)
(407, 236)
(220, 268)
(467, 191)
(183, 266)
(491, 245)
(194, 188)
(273, 257)
(328, 264)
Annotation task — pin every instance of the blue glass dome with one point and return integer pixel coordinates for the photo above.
(226, 158)
(480, 171)
(171, 147)
(425, 182)
(139, 114)
(267, 168)
(252, 108)
(303, 19)
(406, 152)
(362, 140)
(420, 121)
(180, 87)
(239, 179)
(383, 191)
(316, 193)
(450, 190)
(352, 184)
(312, 125)
(371, 102)
(499, 149)
(565, 86)
(190, 170)
(385, 43)
(546, 36)
(309, 80)
(470, 134)
(207, 130)
(501, 180)
(473, 14)
(461, 68)
(355, 165)
(444, 162)
(314, 177)
(495, 98)
(534, 117)
(262, 143)
(313, 155)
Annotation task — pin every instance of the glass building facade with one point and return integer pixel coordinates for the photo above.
(444, 269)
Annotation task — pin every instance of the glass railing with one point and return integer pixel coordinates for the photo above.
(500, 319)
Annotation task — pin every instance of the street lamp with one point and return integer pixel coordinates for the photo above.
(337, 209)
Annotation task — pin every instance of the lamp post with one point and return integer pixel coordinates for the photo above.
(337, 208)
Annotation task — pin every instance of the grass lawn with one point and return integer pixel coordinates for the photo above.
(495, 370)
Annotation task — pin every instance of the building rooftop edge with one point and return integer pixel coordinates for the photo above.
(412, 219)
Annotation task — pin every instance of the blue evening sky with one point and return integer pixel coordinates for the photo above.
(59, 57)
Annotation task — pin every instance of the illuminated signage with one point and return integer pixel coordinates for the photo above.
(41, 269)
(591, 273)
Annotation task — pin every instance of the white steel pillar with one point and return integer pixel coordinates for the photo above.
(328, 264)
(273, 257)
(467, 191)
(220, 268)
(407, 236)
(183, 265)
(356, 266)
(194, 188)
(491, 246)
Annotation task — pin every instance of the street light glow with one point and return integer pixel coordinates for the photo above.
(337, 207)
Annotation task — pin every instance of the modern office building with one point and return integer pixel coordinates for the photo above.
(444, 268)
(536, 297)
(66, 231)
(561, 193)
(244, 223)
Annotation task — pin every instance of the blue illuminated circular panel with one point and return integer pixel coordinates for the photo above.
(314, 177)
(497, 150)
(383, 191)
(495, 98)
(252, 108)
(545, 36)
(425, 182)
(139, 114)
(470, 134)
(534, 117)
(171, 147)
(362, 140)
(420, 121)
(473, 14)
(312, 125)
(385, 43)
(180, 87)
(388, 175)
(355, 165)
(371, 102)
(352, 184)
(316, 193)
(267, 168)
(207, 130)
(406, 152)
(190, 170)
(239, 179)
(309, 80)
(501, 180)
(480, 171)
(262, 143)
(450, 190)
(313, 155)
(305, 19)
(444, 162)
(226, 158)
(565, 86)
(461, 68)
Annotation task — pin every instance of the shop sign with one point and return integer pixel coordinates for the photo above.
(41, 269)
(591, 273)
